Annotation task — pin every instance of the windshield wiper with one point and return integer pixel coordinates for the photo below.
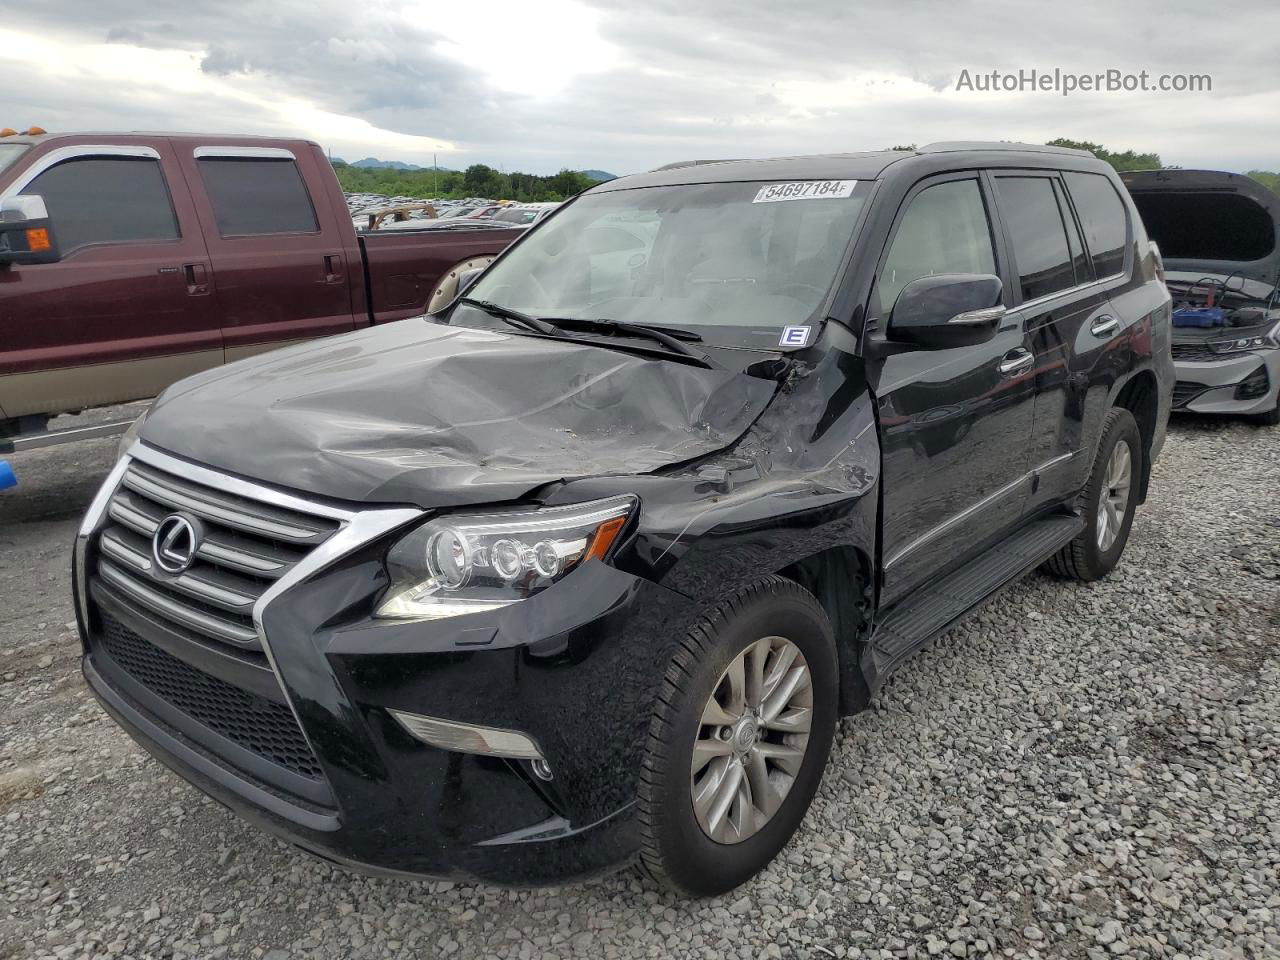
(673, 338)
(513, 317)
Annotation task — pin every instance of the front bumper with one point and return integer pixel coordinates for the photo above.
(1216, 386)
(576, 667)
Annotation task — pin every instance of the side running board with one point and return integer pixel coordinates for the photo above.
(927, 612)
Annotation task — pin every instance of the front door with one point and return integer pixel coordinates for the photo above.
(954, 423)
(131, 307)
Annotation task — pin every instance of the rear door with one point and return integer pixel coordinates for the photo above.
(132, 305)
(1073, 330)
(277, 248)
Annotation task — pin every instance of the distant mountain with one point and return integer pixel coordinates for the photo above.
(373, 163)
(598, 175)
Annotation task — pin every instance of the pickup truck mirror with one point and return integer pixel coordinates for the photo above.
(948, 310)
(26, 235)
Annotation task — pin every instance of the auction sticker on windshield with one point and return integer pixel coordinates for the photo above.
(805, 190)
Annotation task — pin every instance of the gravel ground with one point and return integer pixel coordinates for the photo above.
(1078, 771)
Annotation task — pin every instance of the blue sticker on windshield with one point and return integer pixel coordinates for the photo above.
(795, 337)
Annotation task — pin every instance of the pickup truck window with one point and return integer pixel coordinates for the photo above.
(944, 230)
(252, 196)
(712, 256)
(97, 200)
(10, 152)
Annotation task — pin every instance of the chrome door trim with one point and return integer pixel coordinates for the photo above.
(250, 153)
(970, 510)
(55, 157)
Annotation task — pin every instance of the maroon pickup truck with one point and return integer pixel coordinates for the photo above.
(130, 261)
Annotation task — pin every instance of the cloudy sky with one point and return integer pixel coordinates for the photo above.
(536, 85)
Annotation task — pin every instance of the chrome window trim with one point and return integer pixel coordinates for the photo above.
(973, 508)
(1038, 302)
(357, 528)
(76, 152)
(244, 153)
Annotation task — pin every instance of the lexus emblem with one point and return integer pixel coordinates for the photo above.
(174, 544)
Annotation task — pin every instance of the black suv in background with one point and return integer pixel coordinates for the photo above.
(585, 568)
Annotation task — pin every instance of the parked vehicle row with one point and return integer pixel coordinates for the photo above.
(583, 569)
(146, 258)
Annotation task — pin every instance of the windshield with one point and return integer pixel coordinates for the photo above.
(10, 152)
(738, 261)
(515, 216)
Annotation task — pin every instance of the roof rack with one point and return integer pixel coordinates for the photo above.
(953, 146)
(693, 163)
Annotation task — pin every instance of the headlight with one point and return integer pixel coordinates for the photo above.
(1268, 341)
(468, 563)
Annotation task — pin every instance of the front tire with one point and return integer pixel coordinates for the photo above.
(743, 727)
(1107, 502)
(1271, 418)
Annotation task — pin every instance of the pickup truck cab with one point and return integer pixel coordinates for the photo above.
(164, 255)
(584, 569)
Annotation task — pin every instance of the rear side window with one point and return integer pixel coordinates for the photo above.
(1103, 217)
(97, 200)
(944, 230)
(1030, 209)
(252, 196)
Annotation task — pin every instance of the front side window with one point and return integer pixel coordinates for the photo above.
(944, 230)
(1030, 209)
(1103, 217)
(725, 258)
(102, 200)
(252, 196)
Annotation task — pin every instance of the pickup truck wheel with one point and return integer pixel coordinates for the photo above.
(1107, 503)
(447, 287)
(740, 738)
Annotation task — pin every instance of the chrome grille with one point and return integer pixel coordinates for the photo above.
(246, 546)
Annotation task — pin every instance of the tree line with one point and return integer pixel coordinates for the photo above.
(478, 180)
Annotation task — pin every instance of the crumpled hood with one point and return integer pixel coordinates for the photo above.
(419, 412)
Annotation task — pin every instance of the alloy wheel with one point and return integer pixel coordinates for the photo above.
(1113, 503)
(751, 740)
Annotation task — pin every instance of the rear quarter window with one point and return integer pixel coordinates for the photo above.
(252, 196)
(1103, 218)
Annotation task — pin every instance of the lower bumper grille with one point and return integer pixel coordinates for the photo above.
(256, 724)
(1184, 391)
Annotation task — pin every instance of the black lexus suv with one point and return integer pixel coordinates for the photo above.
(584, 569)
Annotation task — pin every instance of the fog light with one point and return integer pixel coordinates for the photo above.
(468, 738)
(1254, 385)
(541, 769)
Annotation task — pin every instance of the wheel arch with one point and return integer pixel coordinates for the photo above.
(840, 577)
(1140, 395)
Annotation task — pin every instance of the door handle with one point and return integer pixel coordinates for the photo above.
(197, 279)
(1104, 326)
(332, 268)
(1016, 361)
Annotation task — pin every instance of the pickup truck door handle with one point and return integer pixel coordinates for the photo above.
(197, 279)
(332, 268)
(1016, 361)
(1104, 326)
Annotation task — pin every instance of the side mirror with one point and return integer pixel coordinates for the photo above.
(26, 235)
(949, 310)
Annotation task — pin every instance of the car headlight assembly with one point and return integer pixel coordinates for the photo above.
(467, 563)
(1268, 341)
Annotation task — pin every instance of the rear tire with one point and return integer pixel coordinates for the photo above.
(764, 762)
(1107, 502)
